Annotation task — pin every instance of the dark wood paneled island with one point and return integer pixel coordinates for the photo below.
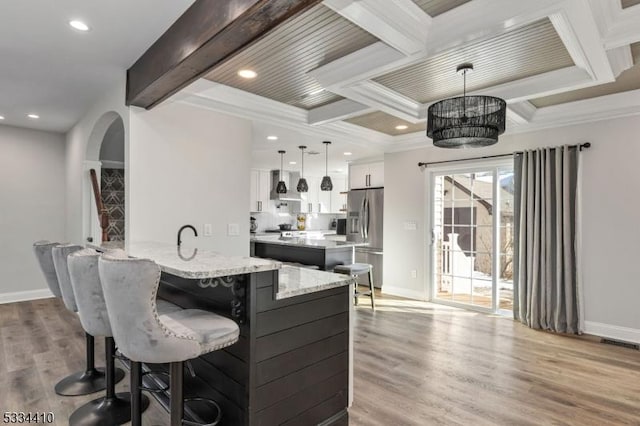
(292, 364)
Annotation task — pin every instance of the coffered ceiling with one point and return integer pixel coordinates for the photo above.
(283, 58)
(629, 3)
(360, 69)
(523, 52)
(386, 123)
(434, 8)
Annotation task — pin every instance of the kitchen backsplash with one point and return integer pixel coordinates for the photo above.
(315, 221)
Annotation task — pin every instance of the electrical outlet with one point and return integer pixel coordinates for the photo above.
(414, 273)
(233, 229)
(208, 230)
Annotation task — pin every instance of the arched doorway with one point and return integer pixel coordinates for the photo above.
(105, 155)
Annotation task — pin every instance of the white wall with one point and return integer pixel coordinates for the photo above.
(32, 206)
(112, 148)
(188, 165)
(83, 143)
(611, 183)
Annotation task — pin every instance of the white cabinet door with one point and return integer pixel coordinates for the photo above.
(338, 198)
(264, 189)
(324, 199)
(366, 175)
(253, 191)
(358, 176)
(376, 174)
(311, 200)
(260, 185)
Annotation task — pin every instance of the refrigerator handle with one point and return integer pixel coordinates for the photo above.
(367, 215)
(364, 200)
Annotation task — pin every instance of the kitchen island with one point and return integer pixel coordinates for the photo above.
(325, 254)
(293, 361)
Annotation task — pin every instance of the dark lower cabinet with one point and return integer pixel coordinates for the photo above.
(291, 364)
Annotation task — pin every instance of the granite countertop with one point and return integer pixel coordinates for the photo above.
(302, 242)
(193, 263)
(294, 281)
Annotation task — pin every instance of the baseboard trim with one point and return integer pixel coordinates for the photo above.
(403, 292)
(616, 332)
(23, 296)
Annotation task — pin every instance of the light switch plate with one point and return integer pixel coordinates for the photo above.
(208, 230)
(233, 229)
(410, 226)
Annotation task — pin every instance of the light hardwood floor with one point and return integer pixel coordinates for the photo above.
(416, 364)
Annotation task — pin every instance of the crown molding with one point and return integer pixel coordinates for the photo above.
(228, 100)
(578, 30)
(624, 29)
(404, 26)
(521, 112)
(381, 97)
(620, 59)
(336, 111)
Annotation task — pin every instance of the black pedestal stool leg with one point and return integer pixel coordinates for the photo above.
(113, 409)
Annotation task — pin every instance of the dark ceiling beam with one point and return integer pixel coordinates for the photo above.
(207, 34)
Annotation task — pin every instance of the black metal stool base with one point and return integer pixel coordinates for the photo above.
(106, 411)
(212, 411)
(85, 383)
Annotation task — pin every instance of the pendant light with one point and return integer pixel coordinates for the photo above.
(467, 121)
(326, 184)
(281, 188)
(302, 183)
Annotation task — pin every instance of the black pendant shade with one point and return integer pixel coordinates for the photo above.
(281, 187)
(302, 183)
(466, 121)
(326, 184)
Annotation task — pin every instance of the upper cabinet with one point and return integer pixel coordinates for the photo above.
(366, 175)
(259, 190)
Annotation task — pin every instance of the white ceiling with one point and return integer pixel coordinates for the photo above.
(265, 152)
(50, 69)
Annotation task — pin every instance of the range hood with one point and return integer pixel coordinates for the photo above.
(289, 178)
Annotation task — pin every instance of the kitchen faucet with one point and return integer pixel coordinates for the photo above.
(182, 229)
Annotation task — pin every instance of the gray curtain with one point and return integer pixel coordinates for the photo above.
(546, 287)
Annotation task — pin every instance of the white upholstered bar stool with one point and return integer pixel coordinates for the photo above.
(112, 409)
(91, 379)
(355, 269)
(143, 335)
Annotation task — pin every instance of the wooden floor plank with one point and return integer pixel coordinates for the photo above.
(415, 364)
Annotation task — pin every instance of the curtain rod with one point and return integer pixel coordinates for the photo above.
(422, 164)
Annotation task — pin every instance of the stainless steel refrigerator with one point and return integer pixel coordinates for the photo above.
(365, 213)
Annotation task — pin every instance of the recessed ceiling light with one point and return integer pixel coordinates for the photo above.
(79, 25)
(34, 116)
(348, 153)
(1, 117)
(402, 127)
(247, 73)
(272, 138)
(292, 162)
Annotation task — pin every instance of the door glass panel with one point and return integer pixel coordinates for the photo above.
(465, 250)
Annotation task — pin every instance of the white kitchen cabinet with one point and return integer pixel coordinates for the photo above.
(259, 190)
(366, 175)
(338, 195)
(324, 199)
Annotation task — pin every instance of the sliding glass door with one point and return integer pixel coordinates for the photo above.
(472, 236)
